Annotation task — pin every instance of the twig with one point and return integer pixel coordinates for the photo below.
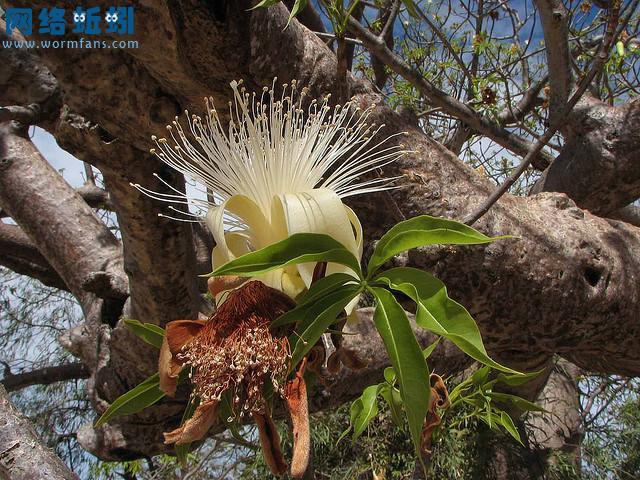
(439, 98)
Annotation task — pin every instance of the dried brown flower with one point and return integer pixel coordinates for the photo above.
(235, 350)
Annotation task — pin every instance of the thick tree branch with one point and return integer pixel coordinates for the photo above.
(45, 376)
(60, 224)
(22, 455)
(599, 167)
(18, 253)
(95, 197)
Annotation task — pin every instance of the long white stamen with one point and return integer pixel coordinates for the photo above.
(273, 146)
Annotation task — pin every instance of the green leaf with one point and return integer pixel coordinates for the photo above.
(298, 6)
(517, 380)
(354, 410)
(620, 48)
(182, 450)
(368, 411)
(323, 286)
(298, 248)
(426, 353)
(480, 376)
(519, 402)
(150, 333)
(439, 313)
(265, 4)
(227, 416)
(317, 319)
(135, 400)
(507, 423)
(390, 375)
(392, 397)
(422, 231)
(407, 360)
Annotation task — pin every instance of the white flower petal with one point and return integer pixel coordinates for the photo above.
(316, 211)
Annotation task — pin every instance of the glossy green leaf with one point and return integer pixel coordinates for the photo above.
(150, 333)
(390, 375)
(480, 376)
(317, 319)
(298, 248)
(507, 423)
(324, 286)
(135, 400)
(182, 450)
(407, 360)
(422, 231)
(521, 403)
(439, 313)
(517, 380)
(368, 410)
(227, 416)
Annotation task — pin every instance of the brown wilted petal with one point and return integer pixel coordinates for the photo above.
(196, 427)
(218, 285)
(439, 400)
(168, 369)
(180, 332)
(270, 442)
(334, 363)
(439, 392)
(295, 394)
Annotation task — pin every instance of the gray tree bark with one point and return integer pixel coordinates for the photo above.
(22, 456)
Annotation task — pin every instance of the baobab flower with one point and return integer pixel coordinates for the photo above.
(280, 168)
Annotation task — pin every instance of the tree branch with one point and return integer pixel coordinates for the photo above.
(58, 221)
(555, 26)
(22, 455)
(18, 253)
(45, 376)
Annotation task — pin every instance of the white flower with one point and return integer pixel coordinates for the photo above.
(279, 169)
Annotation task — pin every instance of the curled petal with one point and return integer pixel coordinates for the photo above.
(439, 400)
(439, 392)
(317, 211)
(350, 359)
(270, 442)
(196, 427)
(168, 369)
(180, 332)
(295, 394)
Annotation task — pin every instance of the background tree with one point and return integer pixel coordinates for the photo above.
(471, 81)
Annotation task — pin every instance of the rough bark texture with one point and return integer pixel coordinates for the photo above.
(22, 456)
(566, 284)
